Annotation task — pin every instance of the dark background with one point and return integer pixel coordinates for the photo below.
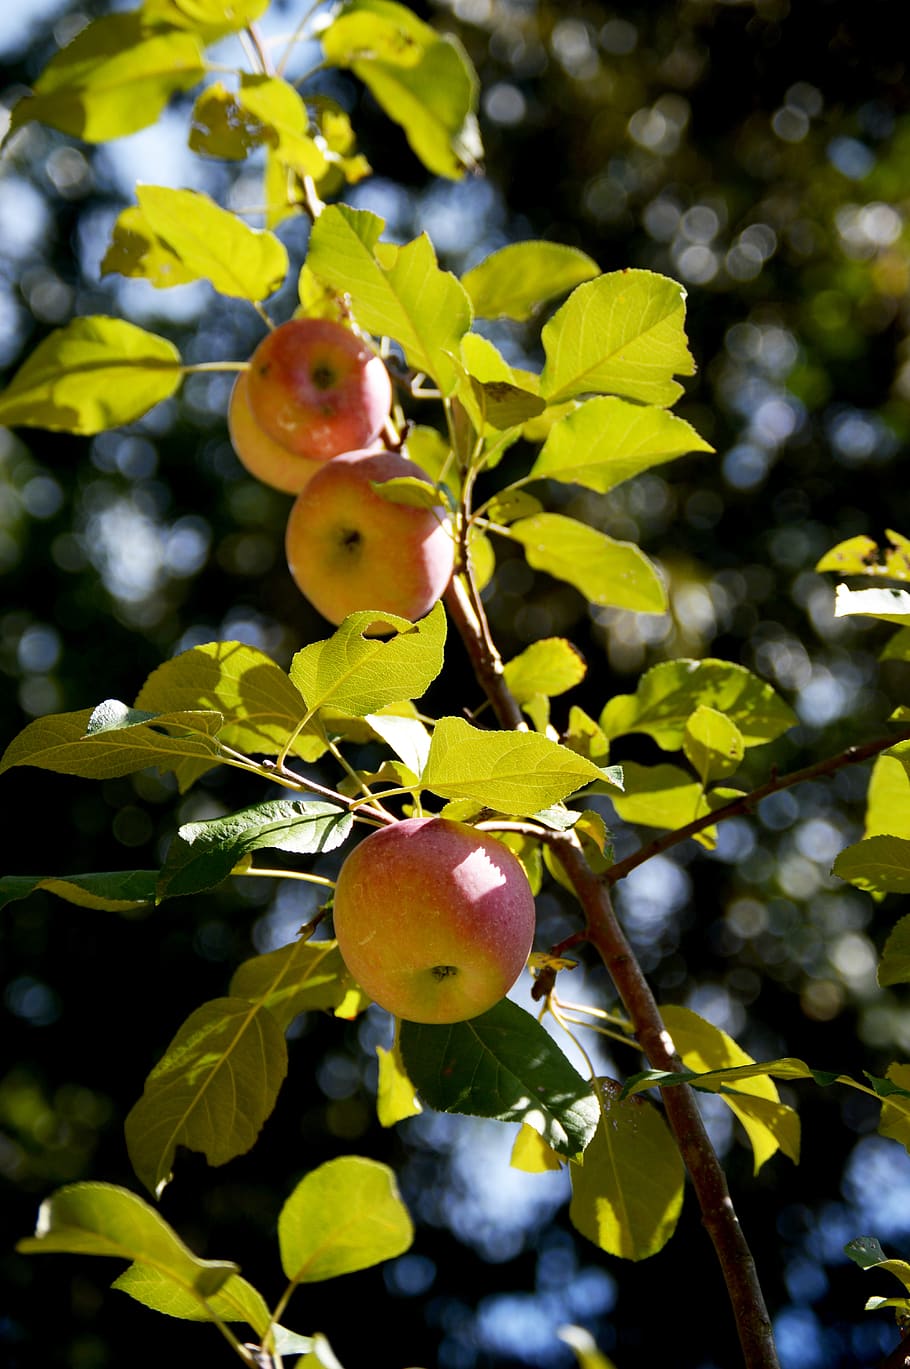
(758, 152)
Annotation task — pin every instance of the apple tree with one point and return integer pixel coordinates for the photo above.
(452, 458)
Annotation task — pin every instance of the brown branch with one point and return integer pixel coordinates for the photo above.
(747, 802)
(605, 935)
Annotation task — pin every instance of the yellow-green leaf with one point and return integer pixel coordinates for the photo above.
(345, 1215)
(512, 772)
(114, 891)
(880, 865)
(769, 1124)
(607, 440)
(236, 1300)
(114, 78)
(605, 571)
(93, 374)
(861, 556)
(305, 976)
(712, 743)
(212, 1090)
(888, 605)
(620, 334)
(888, 795)
(103, 1219)
(894, 966)
(399, 292)
(396, 1098)
(549, 666)
(531, 1153)
(360, 674)
(517, 279)
(627, 1194)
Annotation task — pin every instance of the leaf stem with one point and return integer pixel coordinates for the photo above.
(264, 872)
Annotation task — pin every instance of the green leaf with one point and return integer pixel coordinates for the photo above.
(260, 706)
(210, 18)
(93, 374)
(670, 692)
(61, 742)
(606, 572)
(236, 1300)
(512, 772)
(768, 1123)
(659, 796)
(204, 853)
(549, 666)
(114, 78)
(517, 279)
(304, 976)
(344, 1216)
(531, 1153)
(424, 81)
(713, 744)
(502, 1064)
(888, 795)
(627, 1195)
(211, 1091)
(620, 334)
(715, 1081)
(894, 966)
(177, 236)
(397, 292)
(395, 1095)
(888, 605)
(894, 1091)
(861, 556)
(359, 675)
(102, 1219)
(113, 891)
(868, 1254)
(283, 116)
(880, 865)
(606, 441)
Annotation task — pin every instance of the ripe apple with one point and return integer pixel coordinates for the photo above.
(348, 548)
(262, 456)
(318, 389)
(434, 919)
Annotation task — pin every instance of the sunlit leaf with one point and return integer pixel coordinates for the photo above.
(210, 18)
(360, 674)
(401, 293)
(114, 891)
(204, 853)
(114, 78)
(712, 743)
(512, 772)
(620, 334)
(605, 571)
(769, 1124)
(421, 79)
(606, 441)
(888, 605)
(862, 556)
(305, 976)
(881, 865)
(95, 373)
(136, 251)
(659, 796)
(888, 794)
(396, 1098)
(211, 1091)
(531, 1153)
(669, 693)
(502, 1064)
(517, 279)
(102, 1219)
(344, 1216)
(549, 666)
(627, 1195)
(284, 118)
(236, 1300)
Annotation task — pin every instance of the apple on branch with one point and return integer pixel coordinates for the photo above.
(349, 548)
(434, 919)
(317, 389)
(262, 456)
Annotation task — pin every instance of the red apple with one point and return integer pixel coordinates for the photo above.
(434, 919)
(262, 456)
(348, 548)
(317, 389)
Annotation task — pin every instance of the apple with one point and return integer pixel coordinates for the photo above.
(262, 456)
(317, 389)
(348, 548)
(434, 919)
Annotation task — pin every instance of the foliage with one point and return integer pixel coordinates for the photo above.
(593, 414)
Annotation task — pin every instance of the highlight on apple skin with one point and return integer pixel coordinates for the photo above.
(434, 919)
(262, 456)
(349, 549)
(317, 389)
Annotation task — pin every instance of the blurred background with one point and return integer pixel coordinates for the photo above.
(759, 153)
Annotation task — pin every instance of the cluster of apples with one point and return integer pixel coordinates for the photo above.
(434, 919)
(307, 417)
